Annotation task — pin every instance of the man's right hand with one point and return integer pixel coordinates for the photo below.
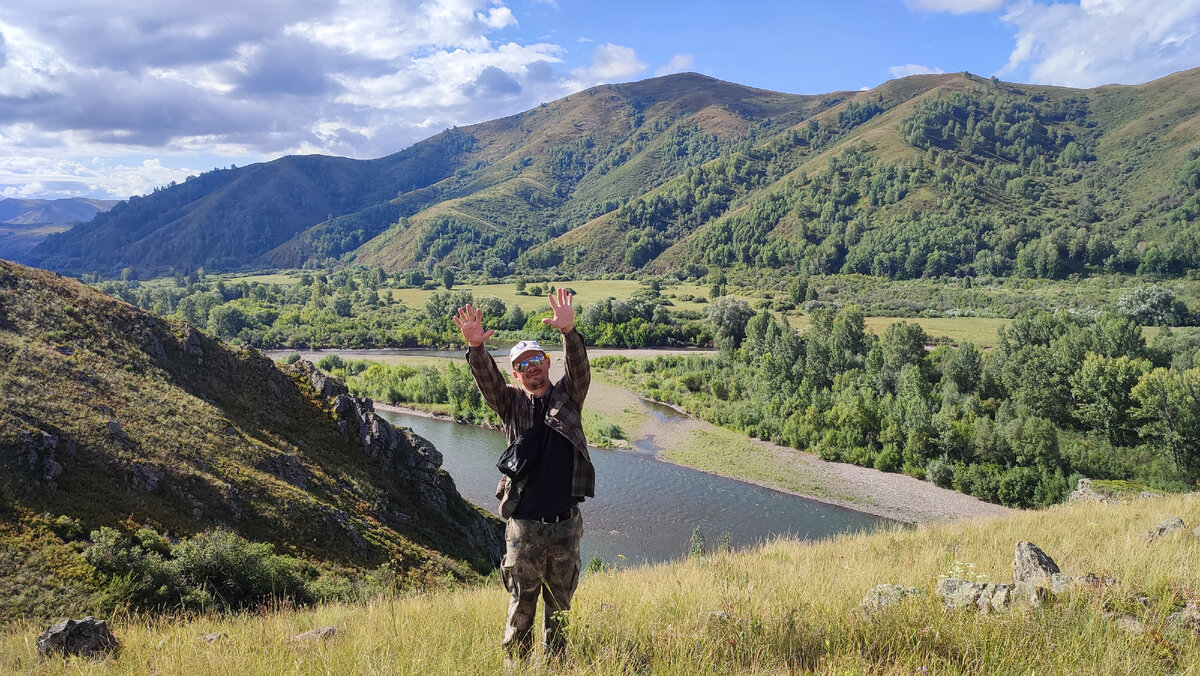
(470, 323)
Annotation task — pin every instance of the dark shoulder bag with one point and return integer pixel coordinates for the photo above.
(524, 453)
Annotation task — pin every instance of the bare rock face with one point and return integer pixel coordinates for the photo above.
(1032, 565)
(40, 450)
(982, 596)
(409, 458)
(286, 468)
(1165, 528)
(88, 637)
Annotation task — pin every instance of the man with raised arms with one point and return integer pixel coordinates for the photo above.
(542, 505)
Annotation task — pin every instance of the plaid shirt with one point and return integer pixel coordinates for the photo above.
(564, 413)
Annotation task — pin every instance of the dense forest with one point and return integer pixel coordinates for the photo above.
(1060, 397)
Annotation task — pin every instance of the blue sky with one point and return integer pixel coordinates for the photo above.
(104, 103)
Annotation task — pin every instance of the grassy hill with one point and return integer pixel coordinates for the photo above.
(785, 607)
(114, 417)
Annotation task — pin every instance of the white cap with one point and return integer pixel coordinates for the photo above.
(522, 348)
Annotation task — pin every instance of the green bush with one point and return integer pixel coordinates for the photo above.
(940, 472)
(330, 363)
(145, 571)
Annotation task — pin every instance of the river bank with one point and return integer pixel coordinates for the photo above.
(699, 445)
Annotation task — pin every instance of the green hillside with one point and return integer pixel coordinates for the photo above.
(113, 417)
(924, 176)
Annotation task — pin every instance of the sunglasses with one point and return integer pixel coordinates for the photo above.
(535, 360)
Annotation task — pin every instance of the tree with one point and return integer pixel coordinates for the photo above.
(226, 320)
(448, 278)
(964, 367)
(1103, 391)
(443, 304)
(729, 316)
(1151, 306)
(514, 318)
(1168, 404)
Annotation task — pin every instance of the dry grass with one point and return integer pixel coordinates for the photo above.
(781, 608)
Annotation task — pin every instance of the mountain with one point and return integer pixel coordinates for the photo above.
(927, 175)
(115, 417)
(507, 184)
(24, 223)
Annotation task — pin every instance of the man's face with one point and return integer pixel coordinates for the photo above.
(532, 373)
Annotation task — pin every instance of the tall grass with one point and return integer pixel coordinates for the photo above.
(783, 607)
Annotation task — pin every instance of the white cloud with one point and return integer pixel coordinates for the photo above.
(678, 64)
(955, 6)
(913, 69)
(1103, 41)
(50, 178)
(610, 63)
(258, 79)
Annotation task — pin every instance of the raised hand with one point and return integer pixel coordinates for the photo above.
(564, 311)
(470, 323)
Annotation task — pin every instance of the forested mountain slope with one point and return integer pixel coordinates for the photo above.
(504, 184)
(923, 176)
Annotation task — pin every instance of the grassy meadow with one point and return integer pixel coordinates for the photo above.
(783, 607)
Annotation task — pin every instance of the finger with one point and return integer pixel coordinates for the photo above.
(547, 320)
(488, 334)
(458, 321)
(550, 297)
(479, 315)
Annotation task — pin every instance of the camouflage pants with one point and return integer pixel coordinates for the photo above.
(542, 560)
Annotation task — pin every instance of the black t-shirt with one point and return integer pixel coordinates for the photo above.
(548, 488)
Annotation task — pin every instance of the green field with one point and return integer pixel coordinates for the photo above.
(586, 291)
(978, 330)
(271, 278)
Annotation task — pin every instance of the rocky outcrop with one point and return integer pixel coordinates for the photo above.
(1085, 493)
(989, 596)
(1164, 529)
(88, 637)
(410, 460)
(40, 457)
(886, 595)
(287, 468)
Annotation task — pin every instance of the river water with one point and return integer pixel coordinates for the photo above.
(645, 510)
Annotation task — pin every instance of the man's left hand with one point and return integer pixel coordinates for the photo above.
(564, 311)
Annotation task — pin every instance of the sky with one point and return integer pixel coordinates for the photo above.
(107, 100)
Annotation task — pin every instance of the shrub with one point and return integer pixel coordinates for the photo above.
(331, 362)
(940, 472)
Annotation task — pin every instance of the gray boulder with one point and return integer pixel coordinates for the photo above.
(989, 596)
(1033, 566)
(88, 637)
(884, 595)
(1163, 529)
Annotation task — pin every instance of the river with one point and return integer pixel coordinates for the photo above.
(645, 510)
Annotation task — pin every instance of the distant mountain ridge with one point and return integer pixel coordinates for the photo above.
(922, 176)
(26, 222)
